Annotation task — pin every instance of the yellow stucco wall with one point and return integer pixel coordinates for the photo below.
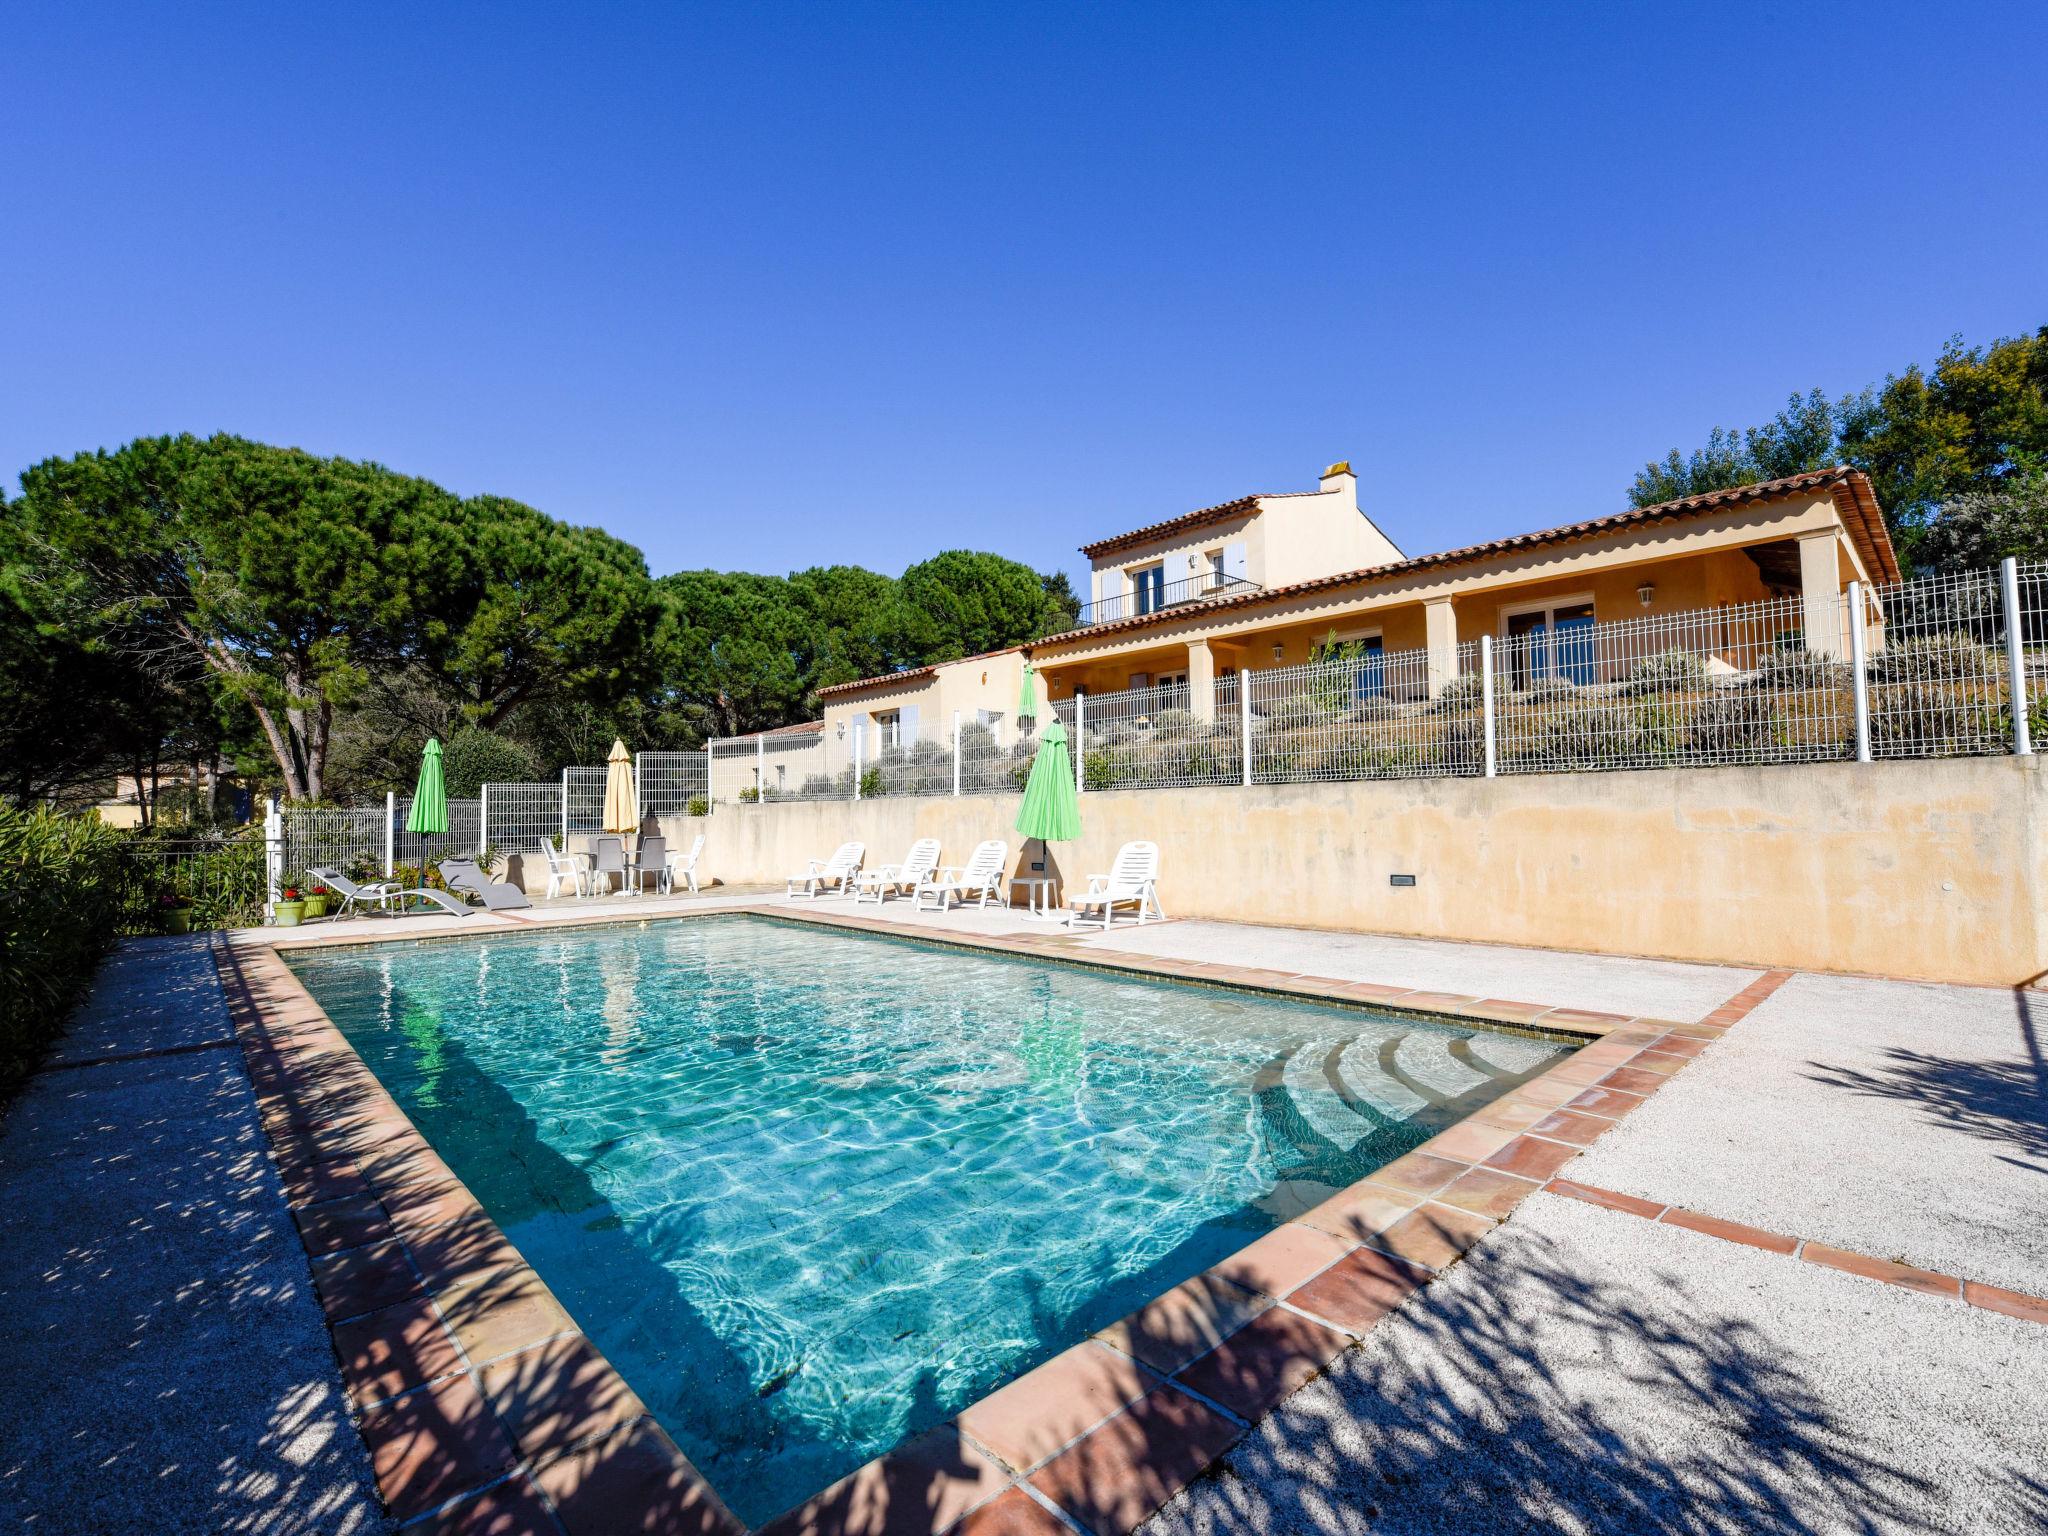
(1935, 870)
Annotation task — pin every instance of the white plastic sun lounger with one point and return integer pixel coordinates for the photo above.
(980, 877)
(376, 900)
(1132, 881)
(836, 873)
(886, 880)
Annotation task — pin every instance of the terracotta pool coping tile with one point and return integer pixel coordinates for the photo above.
(635, 1480)
(1361, 1212)
(1469, 1141)
(1487, 1192)
(1187, 1321)
(1888, 1270)
(922, 1486)
(1609, 1103)
(359, 1280)
(1675, 1044)
(1014, 1513)
(1564, 1018)
(1282, 1259)
(433, 1444)
(1419, 1173)
(1511, 1113)
(1435, 1002)
(322, 1182)
(1632, 1080)
(1730, 1231)
(1548, 1090)
(1532, 1157)
(1433, 1235)
(1570, 1125)
(1119, 1476)
(452, 1252)
(347, 1222)
(1360, 1289)
(1270, 1358)
(1502, 1011)
(559, 1393)
(1662, 1063)
(1028, 1419)
(510, 1508)
(393, 1350)
(1574, 1070)
(500, 1312)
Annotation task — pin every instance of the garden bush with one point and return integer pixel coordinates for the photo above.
(1937, 696)
(1672, 671)
(62, 887)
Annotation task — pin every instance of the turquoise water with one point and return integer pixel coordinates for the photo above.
(813, 1192)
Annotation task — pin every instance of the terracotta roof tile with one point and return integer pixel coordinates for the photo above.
(1861, 517)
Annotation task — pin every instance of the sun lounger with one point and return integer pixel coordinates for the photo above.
(889, 880)
(497, 895)
(980, 877)
(1132, 881)
(835, 873)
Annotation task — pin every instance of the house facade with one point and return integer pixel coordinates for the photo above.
(1190, 603)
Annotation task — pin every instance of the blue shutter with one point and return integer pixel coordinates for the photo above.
(1176, 573)
(908, 716)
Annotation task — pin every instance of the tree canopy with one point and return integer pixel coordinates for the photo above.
(185, 596)
(1975, 425)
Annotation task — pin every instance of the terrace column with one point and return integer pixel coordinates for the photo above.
(1820, 591)
(1440, 625)
(1201, 680)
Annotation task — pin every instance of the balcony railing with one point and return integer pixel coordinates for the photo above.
(1175, 594)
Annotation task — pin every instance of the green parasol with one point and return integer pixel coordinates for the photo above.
(1051, 810)
(429, 814)
(1027, 694)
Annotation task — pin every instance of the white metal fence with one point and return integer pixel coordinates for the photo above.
(1941, 666)
(1922, 668)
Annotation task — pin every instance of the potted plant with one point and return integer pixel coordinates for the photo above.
(316, 902)
(175, 911)
(291, 907)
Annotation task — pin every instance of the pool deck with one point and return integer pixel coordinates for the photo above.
(1767, 1255)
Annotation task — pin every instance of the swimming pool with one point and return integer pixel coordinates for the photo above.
(812, 1192)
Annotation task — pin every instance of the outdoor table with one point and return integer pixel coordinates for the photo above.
(1039, 892)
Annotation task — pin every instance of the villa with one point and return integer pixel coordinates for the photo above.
(1189, 604)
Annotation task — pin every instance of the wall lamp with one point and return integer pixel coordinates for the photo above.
(1645, 592)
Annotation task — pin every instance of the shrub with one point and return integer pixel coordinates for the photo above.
(62, 886)
(1794, 667)
(1672, 671)
(1936, 696)
(1944, 658)
(750, 794)
(475, 757)
(871, 784)
(699, 805)
(1465, 691)
(1731, 722)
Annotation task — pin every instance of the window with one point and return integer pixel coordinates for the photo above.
(889, 727)
(1215, 578)
(1557, 641)
(1148, 589)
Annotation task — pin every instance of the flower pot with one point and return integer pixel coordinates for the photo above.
(288, 913)
(178, 920)
(316, 906)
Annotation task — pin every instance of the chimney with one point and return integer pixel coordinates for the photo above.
(1338, 478)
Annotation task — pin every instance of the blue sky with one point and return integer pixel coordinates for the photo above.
(759, 287)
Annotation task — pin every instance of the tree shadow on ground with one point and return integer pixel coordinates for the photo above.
(1538, 1399)
(2005, 1102)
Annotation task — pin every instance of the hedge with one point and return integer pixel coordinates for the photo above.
(62, 884)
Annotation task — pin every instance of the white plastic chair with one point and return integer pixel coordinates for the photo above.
(1133, 880)
(563, 867)
(608, 858)
(981, 877)
(888, 880)
(683, 866)
(836, 872)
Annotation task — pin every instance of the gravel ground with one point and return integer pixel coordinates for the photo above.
(1900, 1120)
(166, 1365)
(1587, 1371)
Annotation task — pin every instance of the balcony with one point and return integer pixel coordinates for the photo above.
(1158, 599)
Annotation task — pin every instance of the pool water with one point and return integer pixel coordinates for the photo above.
(813, 1192)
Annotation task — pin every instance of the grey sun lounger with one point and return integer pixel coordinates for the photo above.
(375, 899)
(498, 895)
